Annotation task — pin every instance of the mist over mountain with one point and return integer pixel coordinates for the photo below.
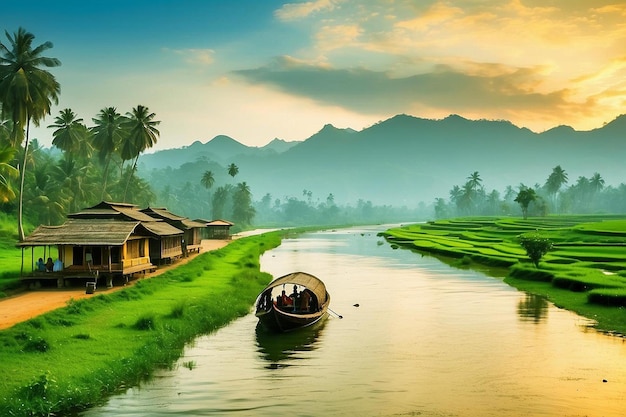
(401, 161)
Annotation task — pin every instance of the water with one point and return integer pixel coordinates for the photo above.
(417, 337)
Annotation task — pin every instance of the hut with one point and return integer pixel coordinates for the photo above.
(192, 230)
(90, 249)
(166, 241)
(106, 240)
(218, 229)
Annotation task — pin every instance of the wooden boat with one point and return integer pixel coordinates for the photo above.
(305, 305)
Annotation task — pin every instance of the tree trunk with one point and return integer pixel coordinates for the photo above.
(20, 205)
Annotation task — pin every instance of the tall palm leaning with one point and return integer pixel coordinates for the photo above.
(142, 135)
(107, 135)
(27, 92)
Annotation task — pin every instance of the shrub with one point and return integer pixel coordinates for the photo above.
(36, 345)
(145, 322)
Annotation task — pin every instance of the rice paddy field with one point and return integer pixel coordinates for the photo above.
(585, 271)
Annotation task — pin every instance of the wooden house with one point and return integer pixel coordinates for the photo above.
(167, 240)
(192, 229)
(104, 241)
(218, 229)
(91, 249)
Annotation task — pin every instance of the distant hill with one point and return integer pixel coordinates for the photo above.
(220, 149)
(405, 160)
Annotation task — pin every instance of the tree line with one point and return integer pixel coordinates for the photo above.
(97, 162)
(556, 196)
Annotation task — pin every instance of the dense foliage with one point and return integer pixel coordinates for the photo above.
(585, 196)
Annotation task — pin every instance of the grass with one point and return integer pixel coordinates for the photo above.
(585, 272)
(73, 357)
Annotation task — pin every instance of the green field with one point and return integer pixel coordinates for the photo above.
(74, 356)
(584, 272)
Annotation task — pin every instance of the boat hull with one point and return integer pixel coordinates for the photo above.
(307, 305)
(281, 321)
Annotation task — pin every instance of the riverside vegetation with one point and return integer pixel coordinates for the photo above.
(585, 271)
(73, 357)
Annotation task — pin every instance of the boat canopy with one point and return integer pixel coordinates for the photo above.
(309, 281)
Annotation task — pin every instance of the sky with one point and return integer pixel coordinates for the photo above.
(256, 70)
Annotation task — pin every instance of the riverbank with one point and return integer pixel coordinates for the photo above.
(585, 272)
(75, 356)
(29, 304)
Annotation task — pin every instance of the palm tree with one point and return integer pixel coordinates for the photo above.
(207, 181)
(27, 92)
(107, 137)
(596, 183)
(474, 181)
(142, 135)
(233, 170)
(243, 212)
(219, 201)
(555, 181)
(7, 171)
(70, 131)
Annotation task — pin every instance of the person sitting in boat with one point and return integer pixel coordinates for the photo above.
(286, 301)
(305, 298)
(295, 297)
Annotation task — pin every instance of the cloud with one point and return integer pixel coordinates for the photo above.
(296, 11)
(476, 87)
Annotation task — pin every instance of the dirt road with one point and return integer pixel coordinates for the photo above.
(30, 304)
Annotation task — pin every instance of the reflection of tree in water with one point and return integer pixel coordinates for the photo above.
(532, 308)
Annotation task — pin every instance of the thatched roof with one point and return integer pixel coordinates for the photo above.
(160, 228)
(110, 210)
(82, 232)
(168, 216)
(219, 222)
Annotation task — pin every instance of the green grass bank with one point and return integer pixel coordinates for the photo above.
(585, 271)
(75, 356)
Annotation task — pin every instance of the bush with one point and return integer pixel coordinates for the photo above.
(608, 297)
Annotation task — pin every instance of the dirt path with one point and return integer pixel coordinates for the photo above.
(30, 304)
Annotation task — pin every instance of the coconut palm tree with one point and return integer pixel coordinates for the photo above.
(107, 135)
(474, 181)
(142, 135)
(207, 181)
(243, 212)
(233, 170)
(27, 92)
(7, 171)
(69, 132)
(555, 181)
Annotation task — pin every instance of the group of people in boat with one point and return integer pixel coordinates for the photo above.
(298, 301)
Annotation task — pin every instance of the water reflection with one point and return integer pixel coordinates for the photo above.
(532, 308)
(278, 348)
(427, 339)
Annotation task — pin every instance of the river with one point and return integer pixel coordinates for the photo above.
(409, 335)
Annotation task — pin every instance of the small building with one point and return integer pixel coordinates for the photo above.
(218, 229)
(91, 249)
(193, 230)
(167, 240)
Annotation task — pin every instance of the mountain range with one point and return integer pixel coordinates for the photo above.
(401, 161)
